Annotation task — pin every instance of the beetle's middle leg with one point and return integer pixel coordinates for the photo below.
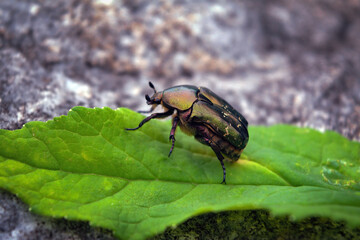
(172, 133)
(154, 115)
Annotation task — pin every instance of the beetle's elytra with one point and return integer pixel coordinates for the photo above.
(201, 113)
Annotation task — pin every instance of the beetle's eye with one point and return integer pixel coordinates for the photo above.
(147, 98)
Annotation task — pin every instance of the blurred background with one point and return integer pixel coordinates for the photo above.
(278, 61)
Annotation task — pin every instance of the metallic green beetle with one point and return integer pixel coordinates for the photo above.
(201, 113)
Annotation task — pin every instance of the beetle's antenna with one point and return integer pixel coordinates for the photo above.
(147, 98)
(152, 86)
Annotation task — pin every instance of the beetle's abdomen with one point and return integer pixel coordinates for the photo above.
(205, 135)
(221, 122)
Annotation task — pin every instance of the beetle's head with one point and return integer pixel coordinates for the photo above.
(154, 99)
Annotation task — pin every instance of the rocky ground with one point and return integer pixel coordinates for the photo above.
(278, 61)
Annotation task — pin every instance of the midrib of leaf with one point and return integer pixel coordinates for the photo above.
(35, 168)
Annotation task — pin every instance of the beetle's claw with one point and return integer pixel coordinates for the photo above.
(171, 138)
(145, 111)
(171, 149)
(223, 182)
(131, 129)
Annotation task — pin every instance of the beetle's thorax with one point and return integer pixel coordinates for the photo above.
(180, 97)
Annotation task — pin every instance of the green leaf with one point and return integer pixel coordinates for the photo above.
(85, 166)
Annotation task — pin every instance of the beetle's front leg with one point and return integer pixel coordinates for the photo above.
(154, 115)
(172, 133)
(148, 111)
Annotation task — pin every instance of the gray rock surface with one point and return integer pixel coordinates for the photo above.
(278, 61)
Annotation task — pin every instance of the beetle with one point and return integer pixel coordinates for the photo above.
(200, 112)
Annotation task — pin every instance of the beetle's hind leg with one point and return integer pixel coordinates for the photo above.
(204, 136)
(154, 115)
(216, 149)
(172, 133)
